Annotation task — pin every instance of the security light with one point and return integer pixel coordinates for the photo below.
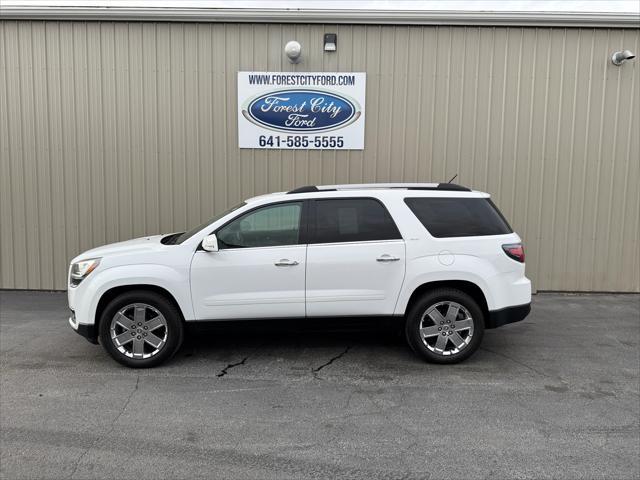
(330, 42)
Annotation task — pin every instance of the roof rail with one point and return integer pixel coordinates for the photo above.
(370, 186)
(453, 187)
(307, 189)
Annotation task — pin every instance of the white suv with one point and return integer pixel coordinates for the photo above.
(438, 256)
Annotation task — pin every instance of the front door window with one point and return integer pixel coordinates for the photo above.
(271, 226)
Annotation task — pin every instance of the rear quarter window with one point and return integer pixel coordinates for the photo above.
(458, 217)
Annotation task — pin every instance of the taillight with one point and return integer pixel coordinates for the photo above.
(515, 251)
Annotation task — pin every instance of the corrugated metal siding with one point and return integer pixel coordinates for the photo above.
(115, 130)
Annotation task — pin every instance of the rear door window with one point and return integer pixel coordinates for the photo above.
(458, 217)
(353, 220)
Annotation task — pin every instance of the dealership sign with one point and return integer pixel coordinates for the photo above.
(301, 110)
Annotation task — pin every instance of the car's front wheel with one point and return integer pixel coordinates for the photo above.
(141, 329)
(446, 325)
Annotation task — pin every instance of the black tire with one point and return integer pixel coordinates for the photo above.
(173, 332)
(426, 347)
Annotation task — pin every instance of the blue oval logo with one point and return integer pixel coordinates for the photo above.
(301, 110)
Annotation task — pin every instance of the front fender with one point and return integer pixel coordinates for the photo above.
(429, 269)
(176, 282)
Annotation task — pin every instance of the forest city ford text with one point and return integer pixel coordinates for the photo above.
(303, 80)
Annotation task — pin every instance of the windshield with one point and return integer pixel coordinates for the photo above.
(195, 230)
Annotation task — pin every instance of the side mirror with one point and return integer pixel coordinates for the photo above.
(210, 243)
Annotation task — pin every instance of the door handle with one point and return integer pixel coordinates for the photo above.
(387, 258)
(286, 263)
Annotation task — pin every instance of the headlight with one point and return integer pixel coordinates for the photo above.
(80, 270)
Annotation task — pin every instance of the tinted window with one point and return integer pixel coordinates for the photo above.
(266, 227)
(353, 220)
(459, 217)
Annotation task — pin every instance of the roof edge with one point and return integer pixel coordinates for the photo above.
(328, 16)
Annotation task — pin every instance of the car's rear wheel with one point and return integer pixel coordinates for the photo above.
(446, 325)
(141, 329)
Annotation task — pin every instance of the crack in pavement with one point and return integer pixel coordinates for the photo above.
(331, 360)
(112, 426)
(223, 372)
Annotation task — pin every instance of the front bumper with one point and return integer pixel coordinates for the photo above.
(87, 331)
(498, 318)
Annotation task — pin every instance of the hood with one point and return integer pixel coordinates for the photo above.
(142, 244)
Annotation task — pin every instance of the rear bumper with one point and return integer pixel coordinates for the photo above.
(87, 331)
(498, 318)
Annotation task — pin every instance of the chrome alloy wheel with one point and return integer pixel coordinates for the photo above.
(139, 331)
(446, 328)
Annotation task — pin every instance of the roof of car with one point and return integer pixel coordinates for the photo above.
(377, 186)
(438, 189)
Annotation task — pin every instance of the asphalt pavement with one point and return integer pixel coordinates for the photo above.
(554, 396)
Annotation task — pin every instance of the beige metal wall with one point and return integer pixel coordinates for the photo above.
(114, 130)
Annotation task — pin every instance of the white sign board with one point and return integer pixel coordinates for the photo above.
(301, 110)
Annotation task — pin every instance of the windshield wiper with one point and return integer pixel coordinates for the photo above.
(171, 239)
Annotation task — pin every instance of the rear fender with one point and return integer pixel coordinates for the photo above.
(429, 269)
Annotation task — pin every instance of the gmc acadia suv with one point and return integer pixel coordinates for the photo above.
(438, 256)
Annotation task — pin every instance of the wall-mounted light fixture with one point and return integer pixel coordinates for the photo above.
(619, 58)
(330, 42)
(293, 50)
